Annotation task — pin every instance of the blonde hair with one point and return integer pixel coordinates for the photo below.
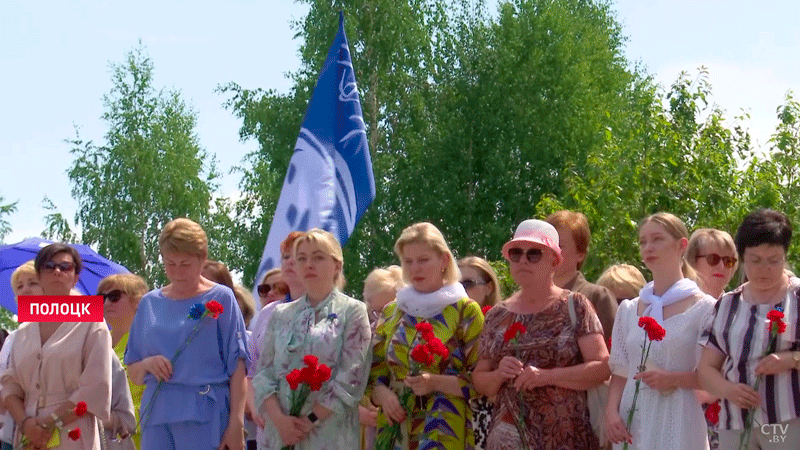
(25, 269)
(622, 278)
(703, 238)
(675, 228)
(270, 272)
(132, 285)
(329, 245)
(246, 303)
(427, 233)
(183, 236)
(383, 279)
(488, 276)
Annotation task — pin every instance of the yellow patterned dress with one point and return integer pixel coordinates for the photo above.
(438, 420)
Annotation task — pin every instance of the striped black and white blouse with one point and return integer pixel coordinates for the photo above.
(739, 330)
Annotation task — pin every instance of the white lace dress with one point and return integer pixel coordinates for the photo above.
(673, 421)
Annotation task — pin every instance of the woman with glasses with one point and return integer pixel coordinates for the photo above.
(121, 294)
(735, 341)
(437, 415)
(333, 328)
(55, 365)
(191, 362)
(481, 284)
(712, 254)
(668, 413)
(540, 374)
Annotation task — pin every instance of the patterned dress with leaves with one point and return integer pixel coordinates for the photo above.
(555, 418)
(437, 420)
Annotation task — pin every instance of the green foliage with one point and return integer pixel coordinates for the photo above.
(57, 227)
(149, 170)
(5, 210)
(507, 284)
(7, 321)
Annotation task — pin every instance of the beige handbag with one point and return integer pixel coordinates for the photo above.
(595, 397)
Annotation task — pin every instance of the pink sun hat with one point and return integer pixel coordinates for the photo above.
(536, 232)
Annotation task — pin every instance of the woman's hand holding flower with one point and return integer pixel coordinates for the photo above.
(742, 395)
(290, 428)
(530, 378)
(509, 368)
(422, 384)
(159, 366)
(388, 400)
(615, 427)
(37, 433)
(775, 363)
(659, 380)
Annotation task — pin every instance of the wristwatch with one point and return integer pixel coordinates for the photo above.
(796, 358)
(312, 417)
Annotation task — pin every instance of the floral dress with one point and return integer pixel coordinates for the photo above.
(555, 418)
(337, 332)
(437, 420)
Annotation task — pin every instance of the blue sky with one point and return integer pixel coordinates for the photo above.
(54, 59)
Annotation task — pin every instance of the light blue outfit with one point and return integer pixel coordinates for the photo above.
(338, 333)
(191, 409)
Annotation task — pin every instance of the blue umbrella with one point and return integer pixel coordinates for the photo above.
(95, 267)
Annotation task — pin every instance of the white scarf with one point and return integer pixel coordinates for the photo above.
(419, 304)
(655, 304)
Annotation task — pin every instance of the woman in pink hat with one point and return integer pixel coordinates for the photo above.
(539, 374)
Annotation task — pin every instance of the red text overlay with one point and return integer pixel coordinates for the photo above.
(58, 308)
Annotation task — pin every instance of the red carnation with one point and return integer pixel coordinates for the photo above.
(215, 308)
(75, 434)
(422, 355)
(424, 327)
(774, 315)
(647, 321)
(514, 331)
(80, 409)
(307, 374)
(311, 361)
(294, 379)
(655, 332)
(322, 375)
(436, 347)
(486, 309)
(712, 413)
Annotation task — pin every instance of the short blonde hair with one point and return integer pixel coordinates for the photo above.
(427, 233)
(383, 279)
(702, 238)
(183, 236)
(25, 269)
(675, 228)
(132, 285)
(329, 245)
(488, 274)
(622, 278)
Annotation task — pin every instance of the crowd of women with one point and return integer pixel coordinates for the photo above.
(431, 358)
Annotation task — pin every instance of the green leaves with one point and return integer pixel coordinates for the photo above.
(5, 209)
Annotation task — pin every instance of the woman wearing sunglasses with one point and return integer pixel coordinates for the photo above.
(668, 413)
(194, 400)
(55, 365)
(540, 375)
(712, 254)
(443, 388)
(121, 294)
(735, 341)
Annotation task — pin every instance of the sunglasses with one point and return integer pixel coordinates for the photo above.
(469, 283)
(713, 259)
(534, 254)
(64, 267)
(279, 287)
(112, 296)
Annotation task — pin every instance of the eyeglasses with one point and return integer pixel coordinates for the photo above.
(534, 254)
(713, 259)
(279, 287)
(112, 296)
(469, 283)
(64, 267)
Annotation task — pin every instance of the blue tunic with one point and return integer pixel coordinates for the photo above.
(199, 388)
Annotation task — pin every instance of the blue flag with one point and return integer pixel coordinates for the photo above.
(329, 183)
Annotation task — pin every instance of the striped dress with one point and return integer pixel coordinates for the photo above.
(739, 330)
